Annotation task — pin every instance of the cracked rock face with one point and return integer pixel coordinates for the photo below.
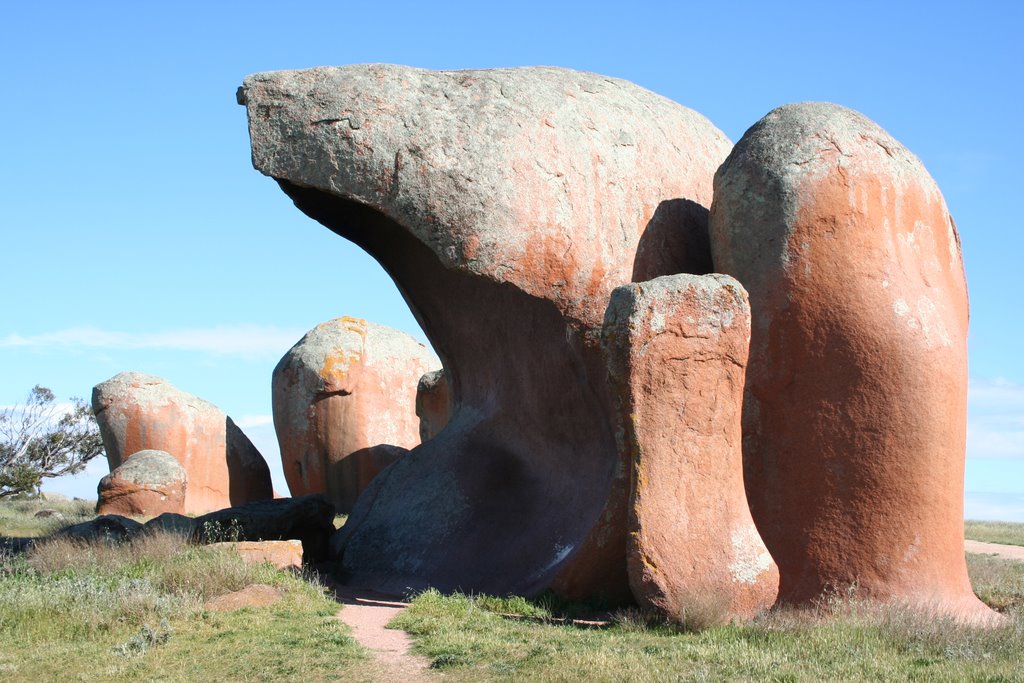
(855, 400)
(677, 351)
(138, 412)
(344, 402)
(148, 483)
(506, 204)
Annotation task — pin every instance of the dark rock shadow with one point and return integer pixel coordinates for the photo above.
(675, 240)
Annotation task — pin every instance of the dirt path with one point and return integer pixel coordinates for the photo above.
(367, 614)
(1010, 552)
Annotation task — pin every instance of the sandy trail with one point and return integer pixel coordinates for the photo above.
(1010, 552)
(367, 614)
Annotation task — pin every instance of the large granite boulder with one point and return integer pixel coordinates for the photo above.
(148, 483)
(344, 402)
(677, 350)
(506, 204)
(854, 421)
(139, 412)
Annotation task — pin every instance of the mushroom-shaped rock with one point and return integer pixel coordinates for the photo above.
(855, 399)
(433, 403)
(677, 350)
(506, 204)
(345, 406)
(138, 412)
(148, 483)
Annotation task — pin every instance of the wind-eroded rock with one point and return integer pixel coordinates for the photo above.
(139, 412)
(506, 204)
(854, 421)
(677, 350)
(148, 483)
(345, 406)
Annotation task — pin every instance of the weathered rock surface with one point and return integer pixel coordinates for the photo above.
(507, 205)
(433, 403)
(677, 350)
(854, 421)
(147, 483)
(345, 406)
(138, 412)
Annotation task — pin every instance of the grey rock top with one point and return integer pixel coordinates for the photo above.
(150, 467)
(149, 390)
(540, 177)
(330, 348)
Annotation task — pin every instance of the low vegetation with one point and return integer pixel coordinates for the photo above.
(135, 612)
(469, 640)
(1009, 533)
(26, 517)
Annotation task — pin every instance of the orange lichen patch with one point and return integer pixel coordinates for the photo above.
(338, 365)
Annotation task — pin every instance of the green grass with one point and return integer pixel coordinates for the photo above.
(17, 517)
(470, 640)
(1009, 533)
(89, 611)
(72, 611)
(466, 639)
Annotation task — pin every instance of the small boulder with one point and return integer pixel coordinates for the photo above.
(48, 513)
(344, 402)
(140, 412)
(148, 483)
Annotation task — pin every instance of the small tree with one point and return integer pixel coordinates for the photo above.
(40, 440)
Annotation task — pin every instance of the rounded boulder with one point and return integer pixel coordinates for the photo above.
(148, 483)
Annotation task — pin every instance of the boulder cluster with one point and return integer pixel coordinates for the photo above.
(146, 423)
(700, 377)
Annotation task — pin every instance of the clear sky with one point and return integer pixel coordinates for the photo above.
(137, 236)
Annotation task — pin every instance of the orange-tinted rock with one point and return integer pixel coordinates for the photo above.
(854, 422)
(148, 483)
(345, 406)
(677, 351)
(506, 204)
(255, 595)
(281, 554)
(138, 412)
(433, 403)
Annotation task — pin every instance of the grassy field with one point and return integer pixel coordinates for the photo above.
(18, 517)
(71, 612)
(74, 611)
(1009, 533)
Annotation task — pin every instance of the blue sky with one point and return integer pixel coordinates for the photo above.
(137, 236)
